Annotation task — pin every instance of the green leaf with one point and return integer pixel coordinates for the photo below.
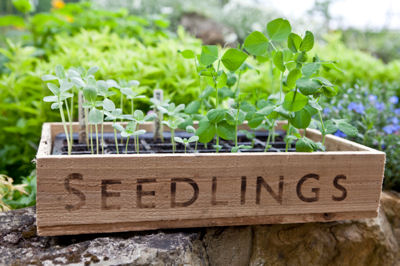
(50, 99)
(278, 61)
(330, 127)
(53, 88)
(178, 139)
(308, 42)
(292, 77)
(267, 110)
(188, 54)
(95, 116)
(301, 58)
(255, 121)
(206, 131)
(330, 91)
(60, 73)
(225, 92)
(308, 86)
(118, 127)
(256, 43)
(12, 21)
(278, 29)
(346, 128)
(193, 107)
(216, 115)
(304, 145)
(138, 115)
(294, 101)
(302, 119)
(90, 94)
(294, 42)
(23, 6)
(310, 68)
(226, 130)
(221, 80)
(193, 139)
(233, 58)
(108, 105)
(55, 106)
(92, 70)
(209, 54)
(324, 81)
(207, 92)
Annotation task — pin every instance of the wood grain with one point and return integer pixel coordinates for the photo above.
(107, 193)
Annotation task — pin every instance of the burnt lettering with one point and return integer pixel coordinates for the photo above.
(189, 202)
(315, 190)
(78, 193)
(140, 193)
(214, 201)
(243, 191)
(261, 182)
(106, 194)
(339, 187)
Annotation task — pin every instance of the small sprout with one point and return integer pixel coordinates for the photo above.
(186, 141)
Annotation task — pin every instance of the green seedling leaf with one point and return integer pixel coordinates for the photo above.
(92, 70)
(308, 86)
(301, 58)
(188, 54)
(60, 73)
(221, 80)
(193, 139)
(179, 140)
(324, 81)
(108, 105)
(226, 131)
(49, 77)
(216, 115)
(225, 92)
(55, 106)
(305, 145)
(301, 119)
(267, 110)
(294, 42)
(256, 43)
(310, 68)
(278, 29)
(292, 77)
(72, 73)
(193, 107)
(50, 99)
(190, 129)
(314, 104)
(330, 91)
(207, 92)
(95, 116)
(294, 101)
(78, 82)
(308, 42)
(206, 131)
(233, 58)
(90, 94)
(240, 147)
(112, 84)
(138, 115)
(118, 127)
(346, 128)
(53, 88)
(138, 132)
(278, 61)
(330, 127)
(256, 121)
(209, 54)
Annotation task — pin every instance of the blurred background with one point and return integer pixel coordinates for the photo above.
(140, 39)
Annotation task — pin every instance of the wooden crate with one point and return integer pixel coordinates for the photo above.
(112, 193)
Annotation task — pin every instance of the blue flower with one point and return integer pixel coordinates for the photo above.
(394, 100)
(390, 129)
(394, 120)
(357, 107)
(340, 134)
(326, 110)
(380, 106)
(372, 98)
(397, 111)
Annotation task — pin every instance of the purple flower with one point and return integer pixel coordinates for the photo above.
(380, 106)
(356, 107)
(340, 134)
(394, 120)
(391, 129)
(326, 110)
(394, 100)
(372, 98)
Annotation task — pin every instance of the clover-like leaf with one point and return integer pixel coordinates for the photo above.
(278, 29)
(233, 58)
(209, 54)
(256, 43)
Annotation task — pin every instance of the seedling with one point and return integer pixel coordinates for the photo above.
(186, 141)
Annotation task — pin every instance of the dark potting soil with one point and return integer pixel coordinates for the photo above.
(148, 145)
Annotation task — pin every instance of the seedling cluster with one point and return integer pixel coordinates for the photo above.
(221, 107)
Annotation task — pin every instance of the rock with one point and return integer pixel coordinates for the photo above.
(362, 242)
(19, 245)
(210, 31)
